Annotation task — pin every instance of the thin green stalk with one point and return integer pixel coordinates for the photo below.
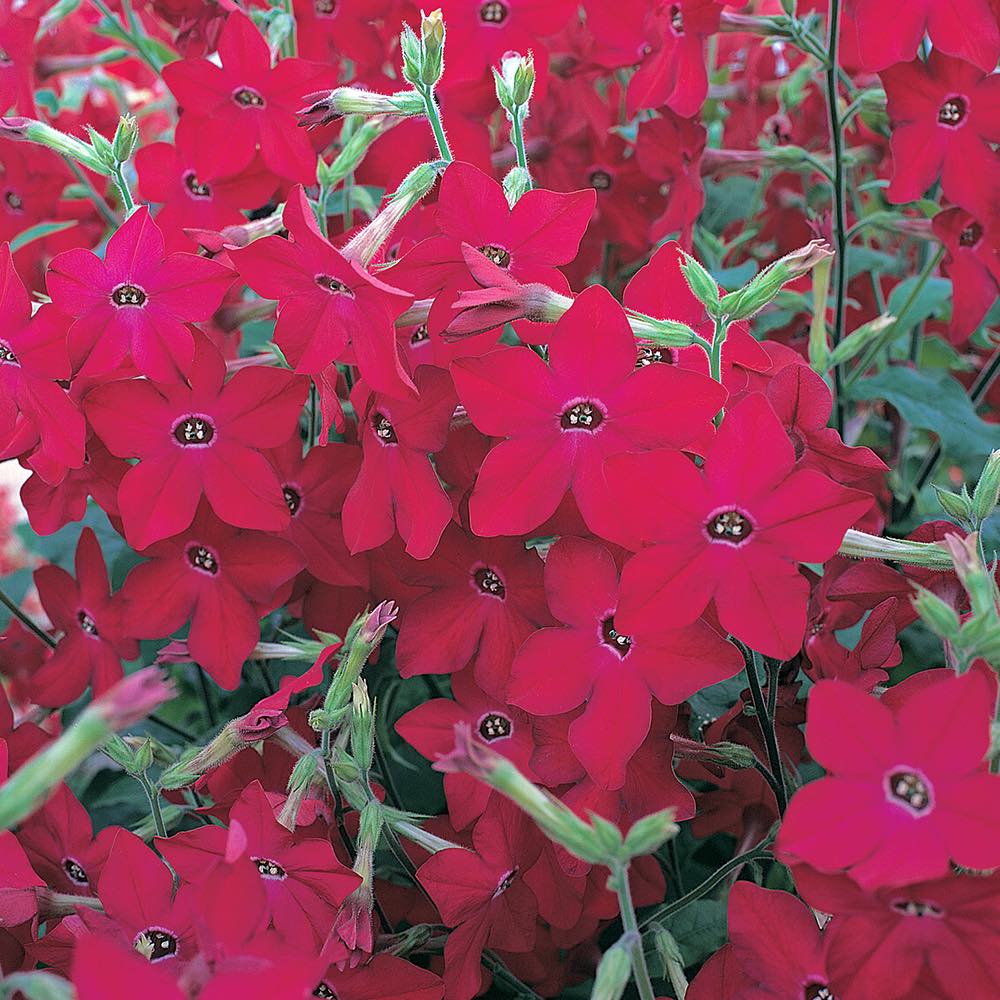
(27, 622)
(434, 117)
(104, 209)
(640, 971)
(153, 796)
(123, 189)
(715, 359)
(517, 138)
(765, 720)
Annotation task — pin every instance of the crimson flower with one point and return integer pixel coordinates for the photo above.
(973, 264)
(250, 103)
(888, 944)
(889, 32)
(484, 597)
(483, 896)
(329, 30)
(732, 533)
(563, 419)
(303, 880)
(616, 674)
(95, 637)
(385, 977)
(37, 416)
(673, 71)
(944, 116)
(326, 302)
(397, 488)
(899, 784)
(865, 665)
(430, 730)
(135, 303)
(168, 177)
(221, 579)
(17, 42)
(200, 440)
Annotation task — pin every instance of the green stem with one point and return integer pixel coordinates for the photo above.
(765, 720)
(434, 117)
(153, 796)
(134, 34)
(123, 189)
(105, 210)
(27, 622)
(715, 359)
(640, 971)
(517, 138)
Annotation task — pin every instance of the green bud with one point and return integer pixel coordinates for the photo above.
(650, 833)
(362, 727)
(432, 37)
(102, 149)
(413, 59)
(664, 332)
(788, 6)
(516, 183)
(515, 81)
(120, 752)
(762, 289)
(701, 283)
(614, 970)
(345, 770)
(319, 720)
(956, 505)
(31, 130)
(143, 757)
(972, 574)
(859, 338)
(861, 545)
(987, 492)
(126, 138)
(670, 956)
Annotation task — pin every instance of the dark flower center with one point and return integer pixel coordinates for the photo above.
(14, 201)
(156, 944)
(600, 179)
(324, 989)
(247, 97)
(333, 286)
(203, 559)
(654, 356)
(420, 335)
(495, 727)
(676, 18)
(87, 624)
(76, 872)
(194, 431)
(584, 416)
(798, 441)
(621, 644)
(383, 428)
(953, 112)
(729, 526)
(971, 235)
(269, 869)
(506, 881)
(195, 188)
(916, 908)
(818, 991)
(911, 789)
(496, 254)
(7, 356)
(489, 582)
(325, 8)
(293, 499)
(128, 295)
(493, 12)
(5, 59)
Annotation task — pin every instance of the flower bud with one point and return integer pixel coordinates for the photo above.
(972, 574)
(665, 332)
(515, 81)
(300, 784)
(32, 130)
(762, 289)
(939, 616)
(648, 834)
(861, 545)
(362, 727)
(432, 38)
(859, 338)
(956, 505)
(515, 184)
(670, 957)
(410, 50)
(987, 492)
(126, 139)
(614, 970)
(701, 283)
(325, 106)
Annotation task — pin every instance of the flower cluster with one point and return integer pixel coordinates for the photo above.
(533, 376)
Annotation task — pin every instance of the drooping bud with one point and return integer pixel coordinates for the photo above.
(858, 339)
(614, 969)
(300, 787)
(987, 491)
(353, 934)
(861, 545)
(325, 106)
(972, 574)
(670, 958)
(126, 138)
(32, 130)
(939, 616)
(762, 289)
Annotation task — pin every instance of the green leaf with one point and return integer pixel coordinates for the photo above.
(711, 702)
(699, 929)
(38, 232)
(931, 299)
(934, 401)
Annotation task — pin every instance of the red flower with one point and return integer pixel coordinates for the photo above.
(732, 533)
(889, 32)
(483, 896)
(205, 440)
(326, 301)
(899, 784)
(430, 730)
(886, 945)
(95, 638)
(36, 415)
(248, 102)
(397, 488)
(673, 70)
(973, 264)
(221, 579)
(17, 41)
(135, 303)
(616, 673)
(866, 664)
(329, 30)
(563, 419)
(167, 176)
(484, 598)
(385, 977)
(944, 115)
(303, 880)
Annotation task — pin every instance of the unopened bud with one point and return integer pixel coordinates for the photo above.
(300, 784)
(940, 617)
(515, 184)
(410, 50)
(648, 834)
(972, 574)
(432, 34)
(670, 957)
(126, 139)
(32, 130)
(861, 545)
(956, 505)
(987, 492)
(362, 727)
(762, 289)
(858, 339)
(701, 283)
(615, 969)
(663, 332)
(515, 81)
